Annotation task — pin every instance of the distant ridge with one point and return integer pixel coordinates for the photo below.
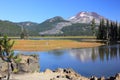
(75, 25)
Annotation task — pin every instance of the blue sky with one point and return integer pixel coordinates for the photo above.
(40, 10)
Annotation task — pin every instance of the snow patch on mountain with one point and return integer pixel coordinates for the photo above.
(86, 17)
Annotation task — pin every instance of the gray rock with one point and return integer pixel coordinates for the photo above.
(29, 63)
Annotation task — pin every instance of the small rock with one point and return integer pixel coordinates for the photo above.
(68, 77)
(58, 76)
(48, 71)
(59, 70)
(68, 71)
(63, 76)
(94, 78)
(102, 78)
(117, 76)
(112, 78)
(53, 79)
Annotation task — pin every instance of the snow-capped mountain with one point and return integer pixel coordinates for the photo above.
(58, 23)
(86, 17)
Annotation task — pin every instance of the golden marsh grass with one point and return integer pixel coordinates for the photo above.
(45, 45)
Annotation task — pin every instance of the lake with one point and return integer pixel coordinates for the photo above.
(98, 61)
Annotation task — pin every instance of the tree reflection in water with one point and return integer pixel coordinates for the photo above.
(103, 53)
(109, 52)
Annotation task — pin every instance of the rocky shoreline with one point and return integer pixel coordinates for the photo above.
(69, 74)
(59, 74)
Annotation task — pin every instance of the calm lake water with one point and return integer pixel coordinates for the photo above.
(98, 61)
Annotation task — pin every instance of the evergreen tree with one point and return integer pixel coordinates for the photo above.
(93, 27)
(111, 31)
(7, 54)
(22, 35)
(101, 30)
(108, 28)
(119, 32)
(104, 30)
(99, 34)
(115, 31)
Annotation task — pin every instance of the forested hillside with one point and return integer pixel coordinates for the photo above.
(77, 30)
(9, 28)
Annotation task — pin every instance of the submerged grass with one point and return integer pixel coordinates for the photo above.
(45, 45)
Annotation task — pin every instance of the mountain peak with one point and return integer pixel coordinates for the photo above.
(81, 14)
(85, 13)
(86, 17)
(56, 18)
(27, 23)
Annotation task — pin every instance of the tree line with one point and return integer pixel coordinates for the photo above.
(107, 30)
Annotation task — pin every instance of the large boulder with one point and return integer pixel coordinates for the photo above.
(28, 64)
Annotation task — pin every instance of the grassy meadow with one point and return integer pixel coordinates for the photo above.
(45, 45)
